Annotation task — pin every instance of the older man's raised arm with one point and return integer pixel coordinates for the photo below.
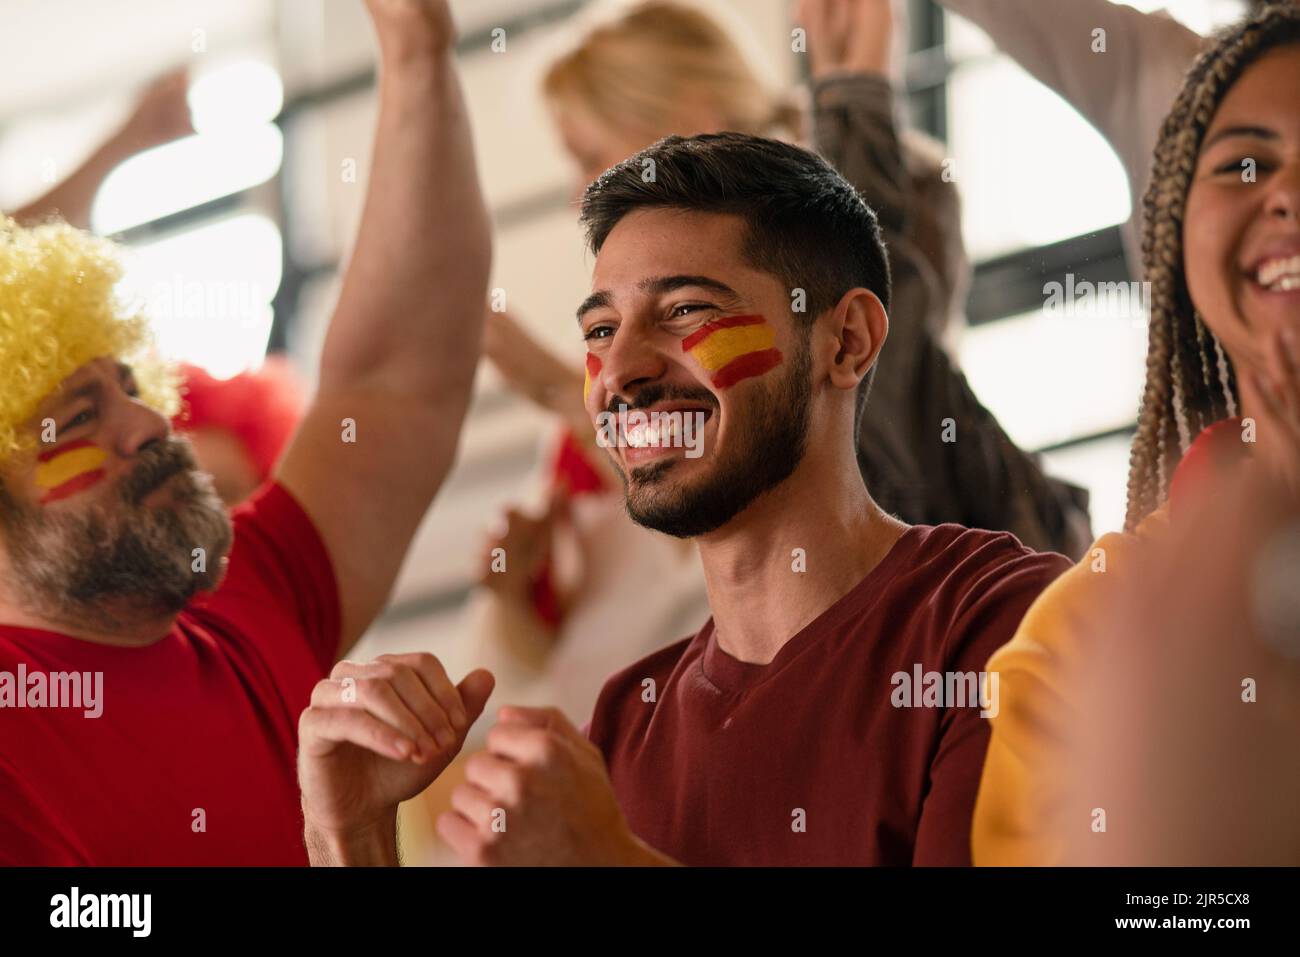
(400, 354)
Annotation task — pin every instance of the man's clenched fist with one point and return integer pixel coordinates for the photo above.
(539, 795)
(375, 735)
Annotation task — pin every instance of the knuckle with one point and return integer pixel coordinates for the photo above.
(344, 667)
(496, 737)
(547, 748)
(476, 764)
(384, 669)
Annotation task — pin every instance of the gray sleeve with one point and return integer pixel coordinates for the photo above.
(1125, 91)
(983, 480)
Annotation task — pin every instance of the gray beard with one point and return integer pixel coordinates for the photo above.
(120, 561)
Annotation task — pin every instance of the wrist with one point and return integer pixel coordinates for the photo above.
(416, 57)
(849, 75)
(415, 87)
(370, 845)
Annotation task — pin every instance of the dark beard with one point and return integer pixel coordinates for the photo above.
(120, 560)
(767, 449)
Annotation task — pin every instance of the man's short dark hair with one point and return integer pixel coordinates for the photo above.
(806, 224)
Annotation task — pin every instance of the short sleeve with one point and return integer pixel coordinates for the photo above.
(278, 560)
(1003, 594)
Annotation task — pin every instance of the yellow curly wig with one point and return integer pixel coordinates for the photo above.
(58, 311)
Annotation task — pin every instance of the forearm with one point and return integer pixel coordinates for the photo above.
(855, 129)
(71, 199)
(1057, 41)
(514, 641)
(375, 846)
(409, 317)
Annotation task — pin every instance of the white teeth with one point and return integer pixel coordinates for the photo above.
(659, 433)
(1275, 269)
(1287, 284)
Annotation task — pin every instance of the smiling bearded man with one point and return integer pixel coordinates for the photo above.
(774, 735)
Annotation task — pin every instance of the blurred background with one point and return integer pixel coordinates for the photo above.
(237, 233)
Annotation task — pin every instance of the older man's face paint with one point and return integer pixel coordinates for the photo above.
(593, 370)
(734, 348)
(69, 469)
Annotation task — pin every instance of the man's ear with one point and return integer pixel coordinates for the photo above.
(859, 325)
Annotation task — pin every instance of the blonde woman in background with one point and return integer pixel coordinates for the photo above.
(586, 591)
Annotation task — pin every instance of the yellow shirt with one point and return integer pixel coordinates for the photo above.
(1023, 807)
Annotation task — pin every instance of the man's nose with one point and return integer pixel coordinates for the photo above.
(139, 426)
(633, 359)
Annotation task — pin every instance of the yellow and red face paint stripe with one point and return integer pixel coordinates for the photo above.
(734, 348)
(69, 469)
(593, 370)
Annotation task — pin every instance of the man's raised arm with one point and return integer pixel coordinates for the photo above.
(399, 358)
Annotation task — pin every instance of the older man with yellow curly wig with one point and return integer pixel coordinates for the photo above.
(83, 422)
(156, 653)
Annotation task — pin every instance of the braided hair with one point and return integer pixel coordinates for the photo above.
(1190, 381)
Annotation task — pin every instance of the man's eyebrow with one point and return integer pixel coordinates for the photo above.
(662, 284)
(1258, 132)
(80, 392)
(124, 374)
(658, 285)
(596, 300)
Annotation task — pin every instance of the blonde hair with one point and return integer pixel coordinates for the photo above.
(59, 311)
(1190, 380)
(633, 65)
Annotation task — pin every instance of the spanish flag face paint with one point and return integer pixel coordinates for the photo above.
(593, 370)
(733, 349)
(69, 469)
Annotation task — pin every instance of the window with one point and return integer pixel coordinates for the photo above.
(1067, 385)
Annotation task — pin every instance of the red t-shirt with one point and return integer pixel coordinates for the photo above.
(806, 760)
(205, 719)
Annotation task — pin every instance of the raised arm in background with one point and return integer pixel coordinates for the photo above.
(160, 115)
(1122, 79)
(982, 480)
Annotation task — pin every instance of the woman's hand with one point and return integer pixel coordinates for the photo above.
(1278, 393)
(161, 114)
(525, 547)
(847, 36)
(411, 30)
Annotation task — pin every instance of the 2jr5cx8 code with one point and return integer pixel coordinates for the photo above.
(1206, 900)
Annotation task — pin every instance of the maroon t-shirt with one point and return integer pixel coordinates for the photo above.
(807, 760)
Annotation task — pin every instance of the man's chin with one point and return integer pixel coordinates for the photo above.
(663, 503)
(654, 473)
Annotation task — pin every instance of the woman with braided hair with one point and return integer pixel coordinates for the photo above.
(1120, 662)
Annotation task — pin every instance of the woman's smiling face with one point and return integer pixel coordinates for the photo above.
(1241, 233)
